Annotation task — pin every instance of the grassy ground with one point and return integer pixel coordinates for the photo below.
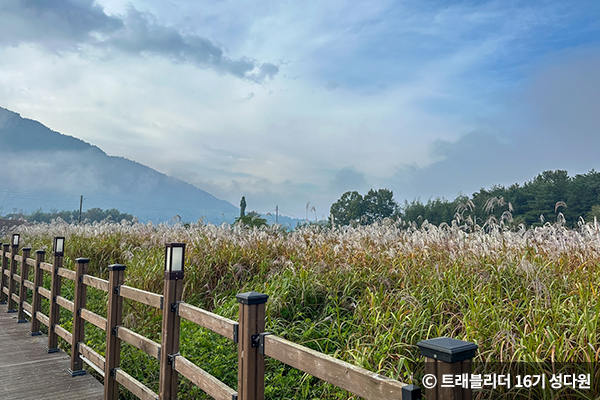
(366, 295)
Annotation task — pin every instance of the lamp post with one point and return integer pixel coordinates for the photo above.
(173, 288)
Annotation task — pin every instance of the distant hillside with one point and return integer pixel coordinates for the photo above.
(41, 168)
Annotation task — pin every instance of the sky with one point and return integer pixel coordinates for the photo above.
(292, 103)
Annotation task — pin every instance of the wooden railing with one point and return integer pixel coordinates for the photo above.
(249, 333)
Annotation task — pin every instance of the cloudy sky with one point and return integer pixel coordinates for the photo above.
(296, 102)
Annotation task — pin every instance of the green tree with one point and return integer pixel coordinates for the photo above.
(594, 213)
(440, 210)
(252, 219)
(348, 209)
(549, 194)
(582, 196)
(414, 211)
(379, 204)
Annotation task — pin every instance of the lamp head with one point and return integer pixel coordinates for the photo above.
(174, 260)
(59, 246)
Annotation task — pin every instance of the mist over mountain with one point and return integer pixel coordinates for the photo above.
(41, 168)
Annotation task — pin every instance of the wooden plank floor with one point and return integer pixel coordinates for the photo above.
(28, 372)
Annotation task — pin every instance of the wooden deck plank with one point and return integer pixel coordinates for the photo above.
(28, 372)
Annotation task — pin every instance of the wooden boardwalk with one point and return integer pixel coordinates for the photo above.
(28, 372)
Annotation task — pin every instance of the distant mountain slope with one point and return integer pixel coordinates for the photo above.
(41, 168)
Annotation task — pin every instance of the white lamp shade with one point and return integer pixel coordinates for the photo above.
(60, 245)
(15, 239)
(177, 259)
(168, 259)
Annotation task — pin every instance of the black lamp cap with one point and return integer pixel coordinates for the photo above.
(250, 298)
(411, 392)
(82, 260)
(447, 349)
(116, 267)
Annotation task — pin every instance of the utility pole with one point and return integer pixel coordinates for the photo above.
(80, 206)
(276, 214)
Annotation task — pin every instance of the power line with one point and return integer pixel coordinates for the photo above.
(288, 214)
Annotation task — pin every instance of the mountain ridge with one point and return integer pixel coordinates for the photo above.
(41, 165)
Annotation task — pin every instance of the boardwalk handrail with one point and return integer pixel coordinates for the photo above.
(254, 344)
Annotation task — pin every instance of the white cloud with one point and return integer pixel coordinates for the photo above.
(279, 101)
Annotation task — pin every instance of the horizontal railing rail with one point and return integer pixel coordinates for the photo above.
(254, 344)
(356, 380)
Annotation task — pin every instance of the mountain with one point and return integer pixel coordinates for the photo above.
(45, 169)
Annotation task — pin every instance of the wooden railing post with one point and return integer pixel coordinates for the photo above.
(22, 288)
(11, 308)
(114, 317)
(173, 288)
(3, 283)
(36, 302)
(251, 364)
(55, 288)
(446, 357)
(78, 322)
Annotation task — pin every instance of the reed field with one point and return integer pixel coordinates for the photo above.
(365, 295)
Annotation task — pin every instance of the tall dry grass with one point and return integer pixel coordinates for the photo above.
(367, 294)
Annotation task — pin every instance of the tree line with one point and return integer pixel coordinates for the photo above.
(92, 215)
(552, 196)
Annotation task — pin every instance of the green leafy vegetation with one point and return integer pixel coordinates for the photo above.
(552, 196)
(252, 219)
(364, 294)
(354, 209)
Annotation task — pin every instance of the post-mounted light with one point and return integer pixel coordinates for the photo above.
(15, 239)
(169, 347)
(174, 259)
(59, 246)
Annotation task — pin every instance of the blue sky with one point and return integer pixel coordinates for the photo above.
(294, 102)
